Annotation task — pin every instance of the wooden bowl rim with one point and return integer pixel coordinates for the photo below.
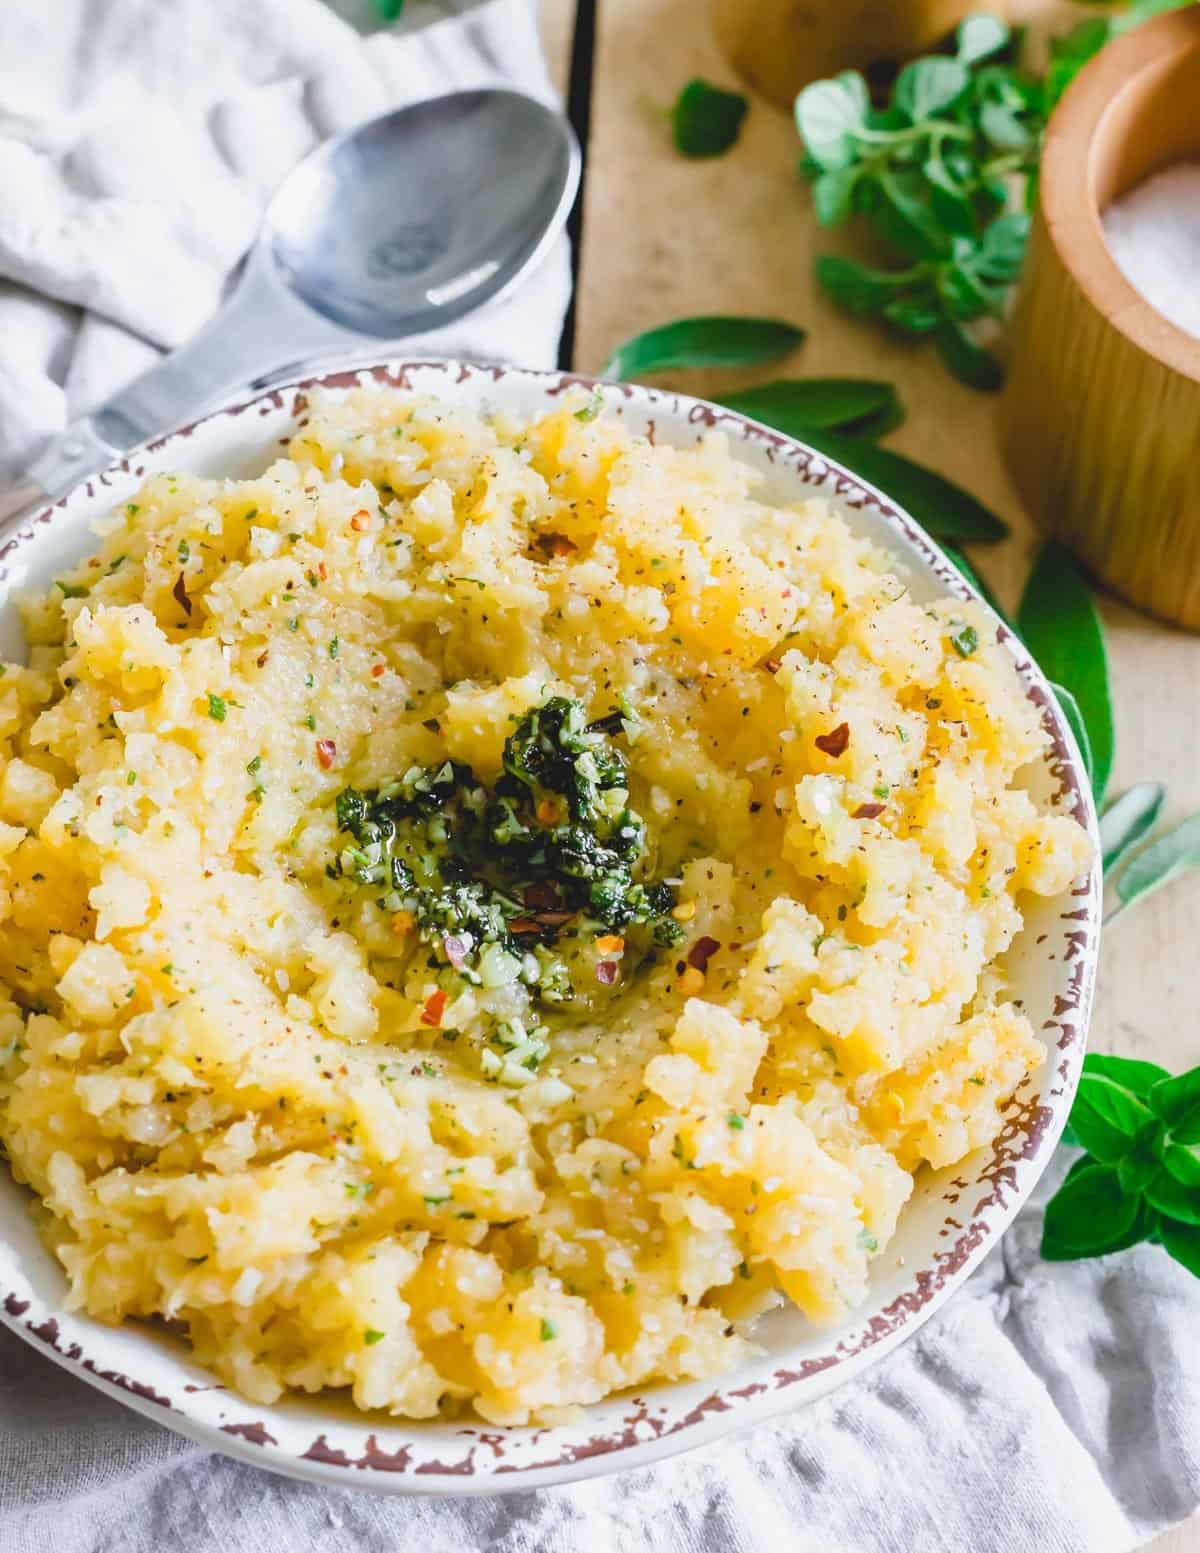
(1068, 203)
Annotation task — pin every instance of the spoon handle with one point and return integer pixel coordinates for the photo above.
(260, 330)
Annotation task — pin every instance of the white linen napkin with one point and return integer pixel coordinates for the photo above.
(139, 141)
(1050, 1408)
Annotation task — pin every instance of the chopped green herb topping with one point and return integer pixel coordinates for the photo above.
(964, 641)
(494, 879)
(216, 708)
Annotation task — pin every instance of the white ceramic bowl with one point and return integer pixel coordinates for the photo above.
(955, 1215)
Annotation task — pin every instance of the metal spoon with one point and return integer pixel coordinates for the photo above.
(399, 227)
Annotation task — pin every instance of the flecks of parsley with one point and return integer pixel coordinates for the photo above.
(216, 707)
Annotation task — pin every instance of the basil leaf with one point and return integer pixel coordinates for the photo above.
(927, 86)
(1106, 1118)
(944, 510)
(794, 405)
(714, 341)
(1137, 1170)
(1062, 630)
(1163, 860)
(857, 287)
(828, 113)
(1070, 710)
(1136, 1076)
(1176, 1101)
(980, 36)
(1127, 819)
(1183, 1163)
(1171, 1197)
(1089, 1215)
(707, 120)
(969, 362)
(1182, 1241)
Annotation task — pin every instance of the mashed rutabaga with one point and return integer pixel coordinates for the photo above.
(488, 907)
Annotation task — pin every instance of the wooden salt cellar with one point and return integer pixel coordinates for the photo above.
(1101, 414)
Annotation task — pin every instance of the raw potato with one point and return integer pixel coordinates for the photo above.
(214, 1071)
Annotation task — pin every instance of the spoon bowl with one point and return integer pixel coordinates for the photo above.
(419, 217)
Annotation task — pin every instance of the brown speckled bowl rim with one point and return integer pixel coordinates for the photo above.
(648, 1431)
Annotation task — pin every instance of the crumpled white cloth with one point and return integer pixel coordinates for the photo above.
(1049, 1408)
(139, 142)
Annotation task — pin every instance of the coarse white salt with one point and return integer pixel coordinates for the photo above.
(1153, 233)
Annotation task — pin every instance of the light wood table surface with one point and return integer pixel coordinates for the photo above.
(664, 237)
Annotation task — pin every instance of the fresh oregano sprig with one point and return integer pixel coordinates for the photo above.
(1139, 1179)
(929, 174)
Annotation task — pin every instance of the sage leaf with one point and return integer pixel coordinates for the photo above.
(1183, 1163)
(1135, 1075)
(927, 86)
(1176, 1101)
(1070, 710)
(1127, 819)
(970, 363)
(1171, 1197)
(1171, 855)
(706, 121)
(1106, 1119)
(1089, 1215)
(981, 36)
(1182, 1241)
(713, 341)
(793, 405)
(1062, 630)
(828, 114)
(943, 509)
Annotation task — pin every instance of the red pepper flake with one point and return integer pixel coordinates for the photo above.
(378, 670)
(555, 544)
(261, 660)
(868, 811)
(773, 666)
(431, 1013)
(361, 521)
(456, 952)
(326, 753)
(179, 591)
(702, 952)
(321, 572)
(835, 743)
(523, 925)
(607, 972)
